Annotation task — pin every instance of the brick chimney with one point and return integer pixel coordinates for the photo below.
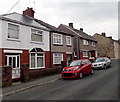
(29, 12)
(71, 25)
(81, 29)
(110, 37)
(103, 34)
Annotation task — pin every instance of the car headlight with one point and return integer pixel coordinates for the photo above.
(101, 64)
(76, 68)
(63, 69)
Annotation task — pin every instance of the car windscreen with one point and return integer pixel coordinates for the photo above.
(75, 63)
(100, 60)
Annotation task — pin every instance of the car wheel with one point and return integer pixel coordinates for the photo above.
(91, 71)
(105, 67)
(110, 65)
(81, 75)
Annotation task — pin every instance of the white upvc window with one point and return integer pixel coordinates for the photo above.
(36, 35)
(85, 42)
(68, 40)
(37, 60)
(13, 31)
(57, 39)
(57, 58)
(93, 44)
(85, 53)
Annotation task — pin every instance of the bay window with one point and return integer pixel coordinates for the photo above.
(37, 60)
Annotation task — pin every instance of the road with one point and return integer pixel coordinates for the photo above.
(103, 85)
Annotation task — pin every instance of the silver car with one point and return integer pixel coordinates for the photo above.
(101, 63)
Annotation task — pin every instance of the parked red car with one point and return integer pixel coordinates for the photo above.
(77, 68)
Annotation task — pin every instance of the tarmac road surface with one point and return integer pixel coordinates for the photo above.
(102, 85)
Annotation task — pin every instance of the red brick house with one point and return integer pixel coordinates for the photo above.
(61, 45)
(84, 44)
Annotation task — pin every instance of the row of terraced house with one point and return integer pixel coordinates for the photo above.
(27, 40)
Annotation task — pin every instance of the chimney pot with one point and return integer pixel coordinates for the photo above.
(81, 29)
(29, 12)
(103, 34)
(71, 25)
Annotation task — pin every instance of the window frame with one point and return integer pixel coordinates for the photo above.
(36, 34)
(85, 42)
(54, 58)
(67, 40)
(93, 44)
(61, 37)
(86, 53)
(36, 56)
(18, 31)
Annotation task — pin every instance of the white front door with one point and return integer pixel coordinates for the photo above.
(14, 62)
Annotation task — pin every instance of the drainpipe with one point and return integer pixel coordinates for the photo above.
(50, 47)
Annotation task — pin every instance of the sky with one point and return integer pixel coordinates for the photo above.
(94, 16)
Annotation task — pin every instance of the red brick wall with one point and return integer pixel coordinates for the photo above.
(2, 57)
(64, 56)
(81, 55)
(47, 59)
(24, 57)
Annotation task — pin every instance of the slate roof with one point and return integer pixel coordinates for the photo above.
(52, 28)
(16, 17)
(81, 33)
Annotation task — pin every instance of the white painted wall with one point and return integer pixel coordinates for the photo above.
(24, 41)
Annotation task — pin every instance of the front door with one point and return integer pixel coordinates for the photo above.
(69, 58)
(14, 62)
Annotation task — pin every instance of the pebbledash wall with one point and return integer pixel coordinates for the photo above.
(23, 45)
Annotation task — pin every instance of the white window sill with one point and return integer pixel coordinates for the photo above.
(69, 44)
(85, 56)
(56, 63)
(37, 42)
(37, 68)
(57, 44)
(10, 39)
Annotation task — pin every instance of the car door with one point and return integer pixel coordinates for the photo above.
(88, 66)
(108, 62)
(84, 67)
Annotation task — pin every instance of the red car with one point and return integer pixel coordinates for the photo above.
(77, 69)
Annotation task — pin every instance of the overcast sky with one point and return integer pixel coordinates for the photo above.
(94, 16)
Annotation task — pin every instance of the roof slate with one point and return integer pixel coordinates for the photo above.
(52, 28)
(81, 33)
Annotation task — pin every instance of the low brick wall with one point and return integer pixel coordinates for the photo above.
(6, 75)
(33, 74)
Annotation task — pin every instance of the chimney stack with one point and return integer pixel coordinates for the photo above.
(103, 34)
(110, 37)
(29, 12)
(71, 25)
(81, 29)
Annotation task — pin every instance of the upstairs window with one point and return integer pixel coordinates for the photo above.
(57, 39)
(13, 31)
(93, 44)
(85, 42)
(68, 40)
(36, 35)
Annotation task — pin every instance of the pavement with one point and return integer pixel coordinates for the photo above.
(18, 86)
